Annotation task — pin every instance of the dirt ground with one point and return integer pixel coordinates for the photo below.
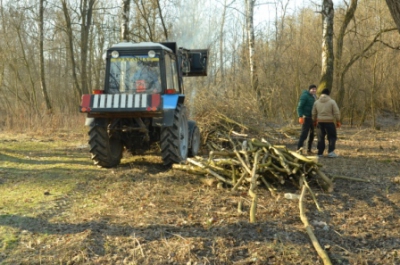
(145, 213)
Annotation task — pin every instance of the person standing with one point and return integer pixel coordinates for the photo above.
(304, 108)
(146, 77)
(326, 112)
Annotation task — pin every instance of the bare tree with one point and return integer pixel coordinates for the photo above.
(70, 37)
(327, 46)
(125, 19)
(30, 69)
(222, 44)
(86, 22)
(165, 30)
(146, 16)
(251, 47)
(41, 60)
(339, 49)
(358, 56)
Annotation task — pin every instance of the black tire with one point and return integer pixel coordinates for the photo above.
(195, 139)
(105, 151)
(174, 140)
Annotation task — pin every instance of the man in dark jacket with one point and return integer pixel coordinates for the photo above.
(304, 109)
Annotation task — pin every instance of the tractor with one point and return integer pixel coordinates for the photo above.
(143, 103)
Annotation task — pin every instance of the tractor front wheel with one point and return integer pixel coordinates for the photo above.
(174, 139)
(105, 151)
(195, 140)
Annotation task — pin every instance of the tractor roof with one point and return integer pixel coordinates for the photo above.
(141, 45)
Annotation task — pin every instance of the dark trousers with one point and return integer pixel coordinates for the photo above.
(306, 128)
(326, 129)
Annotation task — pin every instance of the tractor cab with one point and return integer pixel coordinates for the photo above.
(141, 68)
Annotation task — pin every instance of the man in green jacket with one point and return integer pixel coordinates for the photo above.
(304, 109)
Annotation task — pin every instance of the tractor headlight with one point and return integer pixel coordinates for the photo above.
(152, 54)
(114, 54)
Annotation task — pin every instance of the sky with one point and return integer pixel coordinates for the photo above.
(265, 10)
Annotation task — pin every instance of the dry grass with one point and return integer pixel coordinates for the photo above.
(26, 122)
(57, 208)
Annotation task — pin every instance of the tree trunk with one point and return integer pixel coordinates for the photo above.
(125, 20)
(32, 96)
(373, 92)
(339, 49)
(327, 46)
(222, 48)
(252, 63)
(144, 11)
(165, 30)
(394, 7)
(71, 48)
(86, 12)
(41, 60)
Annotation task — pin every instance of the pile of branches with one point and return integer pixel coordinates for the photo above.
(250, 163)
(255, 162)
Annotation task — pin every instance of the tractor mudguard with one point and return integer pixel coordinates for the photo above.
(170, 103)
(166, 120)
(95, 122)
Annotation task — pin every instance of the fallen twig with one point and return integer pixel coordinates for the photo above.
(350, 178)
(314, 240)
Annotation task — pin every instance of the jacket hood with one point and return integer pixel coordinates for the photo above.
(324, 98)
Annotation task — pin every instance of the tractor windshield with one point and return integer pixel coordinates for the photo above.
(134, 74)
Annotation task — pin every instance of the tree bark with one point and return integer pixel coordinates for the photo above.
(327, 46)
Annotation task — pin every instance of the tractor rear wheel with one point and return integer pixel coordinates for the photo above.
(174, 139)
(105, 151)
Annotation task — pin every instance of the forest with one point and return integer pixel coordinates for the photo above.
(51, 54)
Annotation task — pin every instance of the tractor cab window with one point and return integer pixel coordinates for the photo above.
(134, 74)
(171, 74)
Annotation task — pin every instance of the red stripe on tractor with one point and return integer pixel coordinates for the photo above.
(155, 100)
(86, 102)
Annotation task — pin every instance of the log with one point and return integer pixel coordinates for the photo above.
(209, 171)
(239, 182)
(253, 185)
(322, 254)
(327, 180)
